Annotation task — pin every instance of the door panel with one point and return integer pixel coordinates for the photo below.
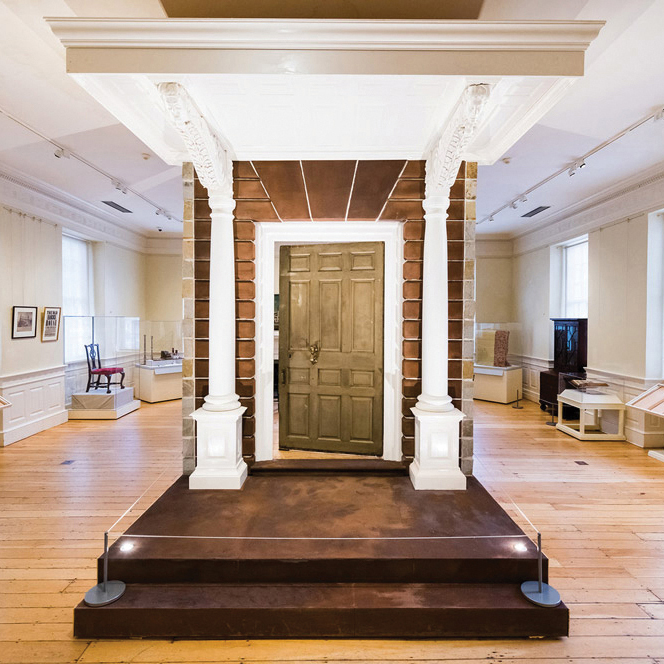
(331, 348)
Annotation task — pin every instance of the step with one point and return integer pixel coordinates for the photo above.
(336, 466)
(239, 611)
(157, 560)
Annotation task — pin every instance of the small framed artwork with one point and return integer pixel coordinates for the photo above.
(24, 322)
(51, 324)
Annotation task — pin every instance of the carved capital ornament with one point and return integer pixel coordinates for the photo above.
(443, 162)
(212, 159)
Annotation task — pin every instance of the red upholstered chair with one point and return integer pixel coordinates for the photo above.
(96, 371)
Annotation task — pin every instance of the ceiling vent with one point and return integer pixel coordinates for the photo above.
(536, 210)
(117, 206)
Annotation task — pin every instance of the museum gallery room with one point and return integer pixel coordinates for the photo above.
(332, 331)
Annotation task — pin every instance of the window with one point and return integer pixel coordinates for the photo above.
(575, 279)
(77, 296)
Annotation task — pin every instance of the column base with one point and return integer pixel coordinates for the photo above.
(436, 480)
(219, 462)
(436, 463)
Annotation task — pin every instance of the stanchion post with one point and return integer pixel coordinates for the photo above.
(516, 405)
(107, 591)
(538, 592)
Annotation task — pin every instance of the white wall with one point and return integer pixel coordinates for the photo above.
(31, 371)
(625, 313)
(494, 288)
(126, 283)
(163, 287)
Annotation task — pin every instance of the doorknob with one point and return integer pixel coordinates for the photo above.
(315, 351)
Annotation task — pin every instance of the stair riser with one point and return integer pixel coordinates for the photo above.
(263, 623)
(324, 571)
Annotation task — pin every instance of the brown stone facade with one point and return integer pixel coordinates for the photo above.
(401, 201)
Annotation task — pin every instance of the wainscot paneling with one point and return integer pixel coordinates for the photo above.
(37, 403)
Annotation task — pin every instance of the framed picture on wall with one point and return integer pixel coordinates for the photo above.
(24, 322)
(50, 324)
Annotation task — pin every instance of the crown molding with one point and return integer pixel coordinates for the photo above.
(33, 197)
(462, 48)
(641, 194)
(43, 200)
(306, 34)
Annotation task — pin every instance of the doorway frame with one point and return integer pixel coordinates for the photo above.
(269, 236)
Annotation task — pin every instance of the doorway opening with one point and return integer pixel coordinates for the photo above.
(381, 404)
(329, 337)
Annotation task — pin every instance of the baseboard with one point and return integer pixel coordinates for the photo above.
(31, 428)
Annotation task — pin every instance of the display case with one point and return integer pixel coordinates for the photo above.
(160, 361)
(99, 381)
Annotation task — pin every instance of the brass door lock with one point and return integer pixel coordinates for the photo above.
(315, 352)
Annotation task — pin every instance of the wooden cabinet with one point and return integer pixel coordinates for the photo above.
(570, 356)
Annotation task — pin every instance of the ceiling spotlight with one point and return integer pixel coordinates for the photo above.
(159, 211)
(61, 153)
(119, 186)
(126, 546)
(513, 205)
(521, 547)
(582, 164)
(523, 199)
(659, 115)
(491, 219)
(572, 170)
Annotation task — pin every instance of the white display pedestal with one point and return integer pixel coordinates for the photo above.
(590, 404)
(99, 405)
(499, 384)
(159, 381)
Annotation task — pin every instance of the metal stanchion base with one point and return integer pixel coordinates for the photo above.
(517, 407)
(97, 596)
(549, 597)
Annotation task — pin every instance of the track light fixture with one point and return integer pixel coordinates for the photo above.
(491, 219)
(659, 115)
(61, 153)
(119, 186)
(523, 199)
(513, 205)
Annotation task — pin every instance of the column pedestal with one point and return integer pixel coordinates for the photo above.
(436, 463)
(219, 462)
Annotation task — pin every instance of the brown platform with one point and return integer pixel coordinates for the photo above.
(334, 587)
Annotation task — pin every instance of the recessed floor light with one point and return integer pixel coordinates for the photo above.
(521, 547)
(126, 546)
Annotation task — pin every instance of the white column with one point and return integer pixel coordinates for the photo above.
(436, 462)
(434, 395)
(219, 463)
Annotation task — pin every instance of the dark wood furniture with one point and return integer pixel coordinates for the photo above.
(570, 356)
(96, 371)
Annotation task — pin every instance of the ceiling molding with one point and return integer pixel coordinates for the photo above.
(642, 194)
(42, 200)
(460, 48)
(306, 34)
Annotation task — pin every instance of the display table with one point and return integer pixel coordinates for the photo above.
(159, 380)
(500, 384)
(591, 403)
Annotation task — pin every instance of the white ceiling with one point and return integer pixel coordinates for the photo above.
(624, 81)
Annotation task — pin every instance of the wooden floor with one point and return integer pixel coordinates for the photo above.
(602, 523)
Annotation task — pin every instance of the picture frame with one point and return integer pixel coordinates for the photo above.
(51, 324)
(24, 322)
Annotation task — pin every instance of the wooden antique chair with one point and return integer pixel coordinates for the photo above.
(96, 371)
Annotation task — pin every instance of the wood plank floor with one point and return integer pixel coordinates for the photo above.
(602, 523)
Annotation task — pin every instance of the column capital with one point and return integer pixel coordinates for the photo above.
(442, 164)
(211, 156)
